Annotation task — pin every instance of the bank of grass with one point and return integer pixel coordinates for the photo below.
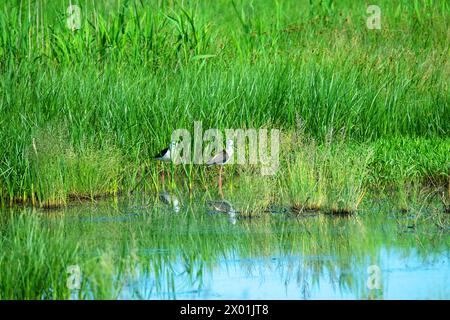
(61, 174)
(327, 177)
(332, 176)
(135, 71)
(335, 176)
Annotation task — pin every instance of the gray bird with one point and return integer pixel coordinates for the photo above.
(220, 159)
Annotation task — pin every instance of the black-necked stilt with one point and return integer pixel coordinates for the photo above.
(220, 159)
(166, 155)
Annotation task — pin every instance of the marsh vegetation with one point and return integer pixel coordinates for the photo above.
(84, 110)
(365, 128)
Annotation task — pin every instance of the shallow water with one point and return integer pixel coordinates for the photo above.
(153, 252)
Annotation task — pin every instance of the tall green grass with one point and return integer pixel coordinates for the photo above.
(40, 256)
(134, 71)
(332, 176)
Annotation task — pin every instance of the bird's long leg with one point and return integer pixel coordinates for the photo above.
(168, 173)
(220, 182)
(162, 175)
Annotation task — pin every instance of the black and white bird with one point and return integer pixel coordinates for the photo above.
(220, 159)
(166, 155)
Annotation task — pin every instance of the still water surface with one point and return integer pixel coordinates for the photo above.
(196, 253)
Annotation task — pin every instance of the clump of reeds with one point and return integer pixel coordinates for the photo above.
(409, 195)
(346, 173)
(63, 172)
(305, 180)
(329, 176)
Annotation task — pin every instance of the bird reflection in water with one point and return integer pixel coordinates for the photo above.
(224, 206)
